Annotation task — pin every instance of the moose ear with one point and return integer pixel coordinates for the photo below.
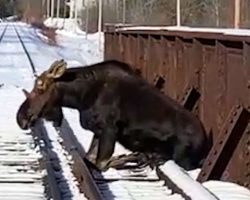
(57, 69)
(26, 93)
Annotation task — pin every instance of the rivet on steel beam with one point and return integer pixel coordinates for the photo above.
(234, 114)
(221, 141)
(215, 152)
(203, 174)
(238, 107)
(248, 84)
(231, 121)
(209, 163)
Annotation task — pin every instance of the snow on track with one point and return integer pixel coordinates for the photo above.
(20, 173)
(19, 159)
(66, 180)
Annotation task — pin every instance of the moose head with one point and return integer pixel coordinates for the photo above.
(43, 100)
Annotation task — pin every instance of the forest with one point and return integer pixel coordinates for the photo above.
(198, 13)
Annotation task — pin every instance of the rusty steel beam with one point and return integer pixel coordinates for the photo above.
(226, 143)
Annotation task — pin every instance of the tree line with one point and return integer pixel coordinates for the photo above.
(199, 13)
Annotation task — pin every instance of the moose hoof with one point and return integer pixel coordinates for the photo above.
(90, 157)
(102, 166)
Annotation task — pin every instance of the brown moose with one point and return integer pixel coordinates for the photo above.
(117, 105)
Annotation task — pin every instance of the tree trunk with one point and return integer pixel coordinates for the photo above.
(236, 13)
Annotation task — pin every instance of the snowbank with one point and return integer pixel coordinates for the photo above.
(213, 189)
(65, 26)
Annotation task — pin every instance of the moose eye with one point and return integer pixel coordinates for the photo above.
(39, 82)
(40, 85)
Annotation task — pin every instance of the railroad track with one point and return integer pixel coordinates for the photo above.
(21, 174)
(163, 183)
(55, 185)
(2, 34)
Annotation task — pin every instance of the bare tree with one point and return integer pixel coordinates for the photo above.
(236, 13)
(58, 8)
(197, 13)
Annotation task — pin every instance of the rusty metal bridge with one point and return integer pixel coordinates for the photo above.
(208, 71)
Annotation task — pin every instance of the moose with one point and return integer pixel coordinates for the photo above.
(117, 105)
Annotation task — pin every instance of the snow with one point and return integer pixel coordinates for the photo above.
(212, 189)
(223, 31)
(67, 26)
(226, 190)
(77, 50)
(190, 187)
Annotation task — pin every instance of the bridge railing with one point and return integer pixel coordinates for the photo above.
(208, 71)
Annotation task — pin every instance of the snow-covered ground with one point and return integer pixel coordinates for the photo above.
(15, 73)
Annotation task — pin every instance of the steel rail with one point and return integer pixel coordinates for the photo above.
(4, 30)
(26, 52)
(81, 171)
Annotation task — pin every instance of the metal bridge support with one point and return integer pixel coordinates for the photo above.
(231, 149)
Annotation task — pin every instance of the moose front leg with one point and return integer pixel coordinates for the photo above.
(106, 148)
(92, 152)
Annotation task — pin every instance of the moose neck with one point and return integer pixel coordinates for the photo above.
(76, 94)
(69, 95)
